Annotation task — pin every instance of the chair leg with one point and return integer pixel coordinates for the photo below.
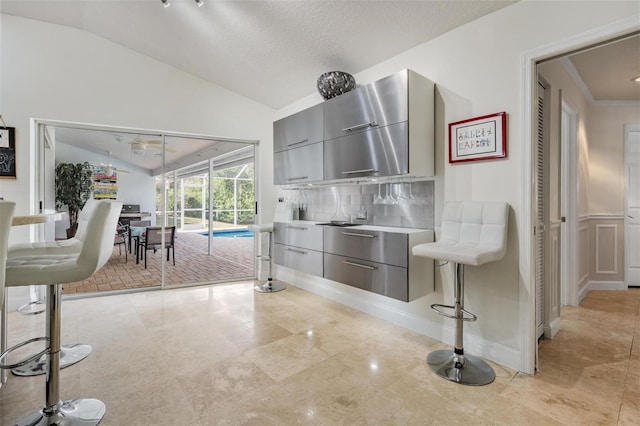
(56, 411)
(456, 366)
(270, 286)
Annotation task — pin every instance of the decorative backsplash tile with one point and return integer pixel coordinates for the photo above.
(407, 204)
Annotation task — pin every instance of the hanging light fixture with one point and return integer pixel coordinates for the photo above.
(138, 147)
(165, 3)
(199, 3)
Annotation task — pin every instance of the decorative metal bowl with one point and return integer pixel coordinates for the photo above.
(334, 83)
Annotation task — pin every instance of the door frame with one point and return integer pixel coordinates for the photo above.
(529, 81)
(569, 200)
(627, 255)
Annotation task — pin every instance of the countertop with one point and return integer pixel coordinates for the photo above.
(361, 227)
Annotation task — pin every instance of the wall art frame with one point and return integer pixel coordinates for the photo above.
(478, 138)
(7, 152)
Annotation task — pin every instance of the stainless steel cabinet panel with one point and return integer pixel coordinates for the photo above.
(298, 165)
(293, 234)
(300, 259)
(383, 279)
(302, 128)
(380, 103)
(376, 246)
(383, 151)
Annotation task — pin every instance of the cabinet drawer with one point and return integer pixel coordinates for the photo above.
(383, 279)
(302, 128)
(298, 235)
(298, 165)
(380, 103)
(376, 152)
(300, 259)
(383, 247)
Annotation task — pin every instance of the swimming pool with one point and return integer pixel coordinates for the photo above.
(231, 233)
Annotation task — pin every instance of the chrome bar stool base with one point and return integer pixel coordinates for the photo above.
(32, 308)
(70, 355)
(462, 369)
(270, 286)
(75, 412)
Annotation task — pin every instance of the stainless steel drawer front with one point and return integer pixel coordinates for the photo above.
(377, 104)
(298, 165)
(298, 235)
(379, 278)
(305, 260)
(302, 128)
(376, 246)
(382, 151)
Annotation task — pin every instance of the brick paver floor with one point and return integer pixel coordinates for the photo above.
(232, 258)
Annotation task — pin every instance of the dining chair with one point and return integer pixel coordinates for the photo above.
(152, 240)
(133, 225)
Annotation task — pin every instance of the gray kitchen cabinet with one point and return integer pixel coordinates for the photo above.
(366, 257)
(298, 246)
(385, 128)
(370, 131)
(299, 129)
(298, 165)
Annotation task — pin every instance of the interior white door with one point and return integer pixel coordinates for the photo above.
(632, 206)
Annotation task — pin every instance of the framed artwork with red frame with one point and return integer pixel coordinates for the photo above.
(479, 138)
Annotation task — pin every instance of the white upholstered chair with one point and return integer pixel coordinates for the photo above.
(472, 233)
(74, 352)
(6, 216)
(55, 270)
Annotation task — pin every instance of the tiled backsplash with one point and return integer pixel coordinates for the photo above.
(387, 204)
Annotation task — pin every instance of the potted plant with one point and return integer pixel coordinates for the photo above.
(73, 189)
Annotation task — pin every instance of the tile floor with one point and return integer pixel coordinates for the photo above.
(224, 355)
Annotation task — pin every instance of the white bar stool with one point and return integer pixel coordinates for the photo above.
(71, 353)
(56, 270)
(269, 286)
(472, 233)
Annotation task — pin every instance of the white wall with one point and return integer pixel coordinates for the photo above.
(606, 156)
(477, 69)
(58, 73)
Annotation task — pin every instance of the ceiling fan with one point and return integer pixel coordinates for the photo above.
(139, 146)
(109, 169)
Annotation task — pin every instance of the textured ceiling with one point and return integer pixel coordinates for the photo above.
(271, 51)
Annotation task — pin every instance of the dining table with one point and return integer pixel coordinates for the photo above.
(43, 217)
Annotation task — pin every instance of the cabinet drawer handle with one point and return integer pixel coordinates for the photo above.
(297, 251)
(298, 178)
(297, 143)
(296, 227)
(360, 126)
(346, 262)
(352, 172)
(353, 234)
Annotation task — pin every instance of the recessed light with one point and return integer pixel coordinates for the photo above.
(636, 79)
(165, 3)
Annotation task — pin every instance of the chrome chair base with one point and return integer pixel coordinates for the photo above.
(70, 355)
(75, 412)
(473, 371)
(270, 286)
(32, 308)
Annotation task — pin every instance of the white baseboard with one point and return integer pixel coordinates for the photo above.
(373, 304)
(600, 285)
(552, 329)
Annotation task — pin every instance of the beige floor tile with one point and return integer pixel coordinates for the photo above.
(225, 355)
